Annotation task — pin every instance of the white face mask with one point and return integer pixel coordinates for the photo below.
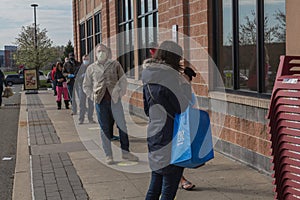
(101, 56)
(86, 62)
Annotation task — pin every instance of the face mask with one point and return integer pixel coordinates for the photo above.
(101, 56)
(86, 62)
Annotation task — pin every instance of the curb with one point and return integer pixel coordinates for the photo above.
(22, 180)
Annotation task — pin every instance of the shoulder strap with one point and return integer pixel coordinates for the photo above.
(152, 97)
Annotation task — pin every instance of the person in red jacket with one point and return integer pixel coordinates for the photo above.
(53, 70)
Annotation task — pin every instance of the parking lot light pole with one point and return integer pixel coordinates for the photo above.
(35, 44)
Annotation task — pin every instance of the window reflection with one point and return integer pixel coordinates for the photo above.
(126, 36)
(273, 46)
(226, 44)
(247, 44)
(147, 24)
(275, 37)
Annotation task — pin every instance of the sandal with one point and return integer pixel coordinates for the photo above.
(186, 185)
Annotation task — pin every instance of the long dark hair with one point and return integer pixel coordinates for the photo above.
(169, 52)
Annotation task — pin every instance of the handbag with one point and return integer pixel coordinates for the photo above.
(192, 144)
(7, 92)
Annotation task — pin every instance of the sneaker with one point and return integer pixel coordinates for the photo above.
(92, 122)
(80, 122)
(114, 138)
(129, 156)
(109, 160)
(73, 113)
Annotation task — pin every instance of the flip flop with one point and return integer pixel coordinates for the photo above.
(187, 185)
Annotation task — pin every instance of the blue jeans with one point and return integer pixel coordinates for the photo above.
(164, 182)
(82, 105)
(107, 114)
(71, 95)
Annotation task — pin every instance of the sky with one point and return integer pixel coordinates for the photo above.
(53, 15)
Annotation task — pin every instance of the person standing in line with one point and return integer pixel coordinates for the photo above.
(184, 183)
(53, 70)
(106, 83)
(61, 86)
(166, 92)
(2, 81)
(69, 70)
(82, 96)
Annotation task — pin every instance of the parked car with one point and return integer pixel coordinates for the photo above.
(11, 79)
(49, 78)
(41, 75)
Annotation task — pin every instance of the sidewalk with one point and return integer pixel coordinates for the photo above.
(57, 159)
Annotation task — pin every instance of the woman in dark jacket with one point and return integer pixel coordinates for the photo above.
(166, 93)
(61, 86)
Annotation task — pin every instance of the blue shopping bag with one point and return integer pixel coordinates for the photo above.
(192, 140)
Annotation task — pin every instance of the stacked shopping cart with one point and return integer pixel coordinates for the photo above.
(284, 127)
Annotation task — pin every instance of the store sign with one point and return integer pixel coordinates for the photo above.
(30, 79)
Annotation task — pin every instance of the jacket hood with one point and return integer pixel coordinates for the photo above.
(158, 72)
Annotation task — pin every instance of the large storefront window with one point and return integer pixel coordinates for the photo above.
(82, 39)
(147, 24)
(250, 37)
(89, 28)
(98, 26)
(126, 36)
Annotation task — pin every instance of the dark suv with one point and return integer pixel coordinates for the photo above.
(14, 79)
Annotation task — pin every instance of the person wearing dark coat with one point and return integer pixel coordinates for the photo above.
(166, 92)
(2, 81)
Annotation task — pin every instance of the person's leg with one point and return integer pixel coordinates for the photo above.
(90, 110)
(58, 97)
(54, 87)
(185, 184)
(82, 104)
(106, 123)
(72, 100)
(1, 91)
(155, 186)
(66, 97)
(171, 179)
(118, 114)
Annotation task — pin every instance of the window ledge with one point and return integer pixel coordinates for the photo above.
(241, 99)
(134, 81)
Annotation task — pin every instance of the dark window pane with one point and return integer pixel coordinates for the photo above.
(275, 38)
(225, 65)
(247, 49)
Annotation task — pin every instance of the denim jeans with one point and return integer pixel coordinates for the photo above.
(164, 182)
(72, 97)
(107, 114)
(82, 105)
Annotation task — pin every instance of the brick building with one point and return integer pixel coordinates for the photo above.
(242, 37)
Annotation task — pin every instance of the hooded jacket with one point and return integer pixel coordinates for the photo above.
(165, 93)
(101, 77)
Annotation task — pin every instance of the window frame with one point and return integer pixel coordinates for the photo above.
(126, 60)
(216, 31)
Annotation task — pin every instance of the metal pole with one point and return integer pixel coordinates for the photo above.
(35, 44)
